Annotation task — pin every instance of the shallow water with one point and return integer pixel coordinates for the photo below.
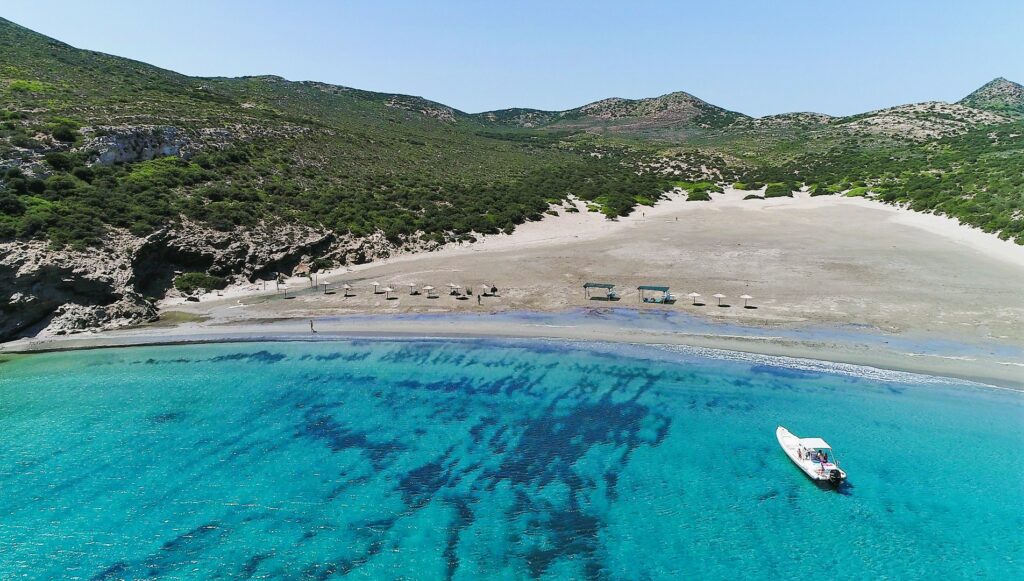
(513, 459)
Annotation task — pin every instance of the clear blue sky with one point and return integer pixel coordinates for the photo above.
(757, 57)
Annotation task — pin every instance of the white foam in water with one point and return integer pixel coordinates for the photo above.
(817, 365)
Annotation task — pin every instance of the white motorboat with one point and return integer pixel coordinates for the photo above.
(812, 455)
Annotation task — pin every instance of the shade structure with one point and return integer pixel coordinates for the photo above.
(453, 285)
(346, 286)
(745, 299)
(719, 296)
(411, 285)
(694, 296)
(375, 283)
(428, 288)
(388, 289)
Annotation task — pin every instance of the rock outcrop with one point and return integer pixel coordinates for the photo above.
(66, 291)
(43, 290)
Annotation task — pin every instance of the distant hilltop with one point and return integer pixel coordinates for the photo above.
(997, 95)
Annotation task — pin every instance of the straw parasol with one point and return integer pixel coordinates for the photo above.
(719, 296)
(375, 286)
(745, 299)
(428, 288)
(694, 296)
(387, 291)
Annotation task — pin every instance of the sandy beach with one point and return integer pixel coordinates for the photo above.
(813, 265)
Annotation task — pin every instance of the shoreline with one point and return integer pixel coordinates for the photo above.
(840, 280)
(980, 369)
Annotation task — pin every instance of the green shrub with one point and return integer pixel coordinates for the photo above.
(698, 196)
(60, 161)
(858, 192)
(11, 205)
(322, 264)
(64, 133)
(778, 190)
(753, 197)
(193, 281)
(23, 86)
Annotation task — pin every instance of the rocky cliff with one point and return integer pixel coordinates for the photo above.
(66, 291)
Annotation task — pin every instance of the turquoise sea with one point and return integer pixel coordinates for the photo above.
(473, 459)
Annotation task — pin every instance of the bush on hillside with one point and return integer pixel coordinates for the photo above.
(698, 196)
(778, 190)
(753, 197)
(193, 281)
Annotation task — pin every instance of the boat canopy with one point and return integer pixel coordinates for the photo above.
(814, 443)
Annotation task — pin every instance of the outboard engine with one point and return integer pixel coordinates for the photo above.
(835, 476)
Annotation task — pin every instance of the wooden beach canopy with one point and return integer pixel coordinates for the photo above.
(694, 296)
(607, 286)
(719, 296)
(745, 299)
(653, 288)
(430, 291)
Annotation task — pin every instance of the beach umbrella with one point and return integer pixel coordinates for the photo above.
(387, 291)
(376, 286)
(346, 286)
(745, 299)
(428, 288)
(694, 296)
(719, 296)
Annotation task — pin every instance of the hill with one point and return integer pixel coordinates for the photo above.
(674, 116)
(117, 177)
(997, 95)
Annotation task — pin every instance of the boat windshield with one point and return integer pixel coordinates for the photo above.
(822, 455)
(817, 455)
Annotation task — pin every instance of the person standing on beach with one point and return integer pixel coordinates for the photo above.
(479, 300)
(311, 329)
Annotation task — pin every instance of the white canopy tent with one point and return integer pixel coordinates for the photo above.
(814, 444)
